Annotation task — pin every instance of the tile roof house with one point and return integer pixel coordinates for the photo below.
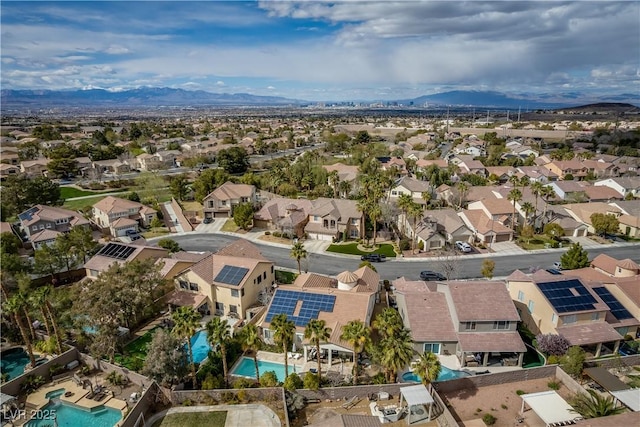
(557, 214)
(394, 163)
(41, 217)
(538, 173)
(582, 212)
(476, 321)
(120, 253)
(623, 185)
(563, 305)
(331, 219)
(563, 168)
(7, 170)
(226, 283)
(469, 166)
(485, 229)
(221, 201)
(117, 215)
(438, 227)
(36, 167)
(410, 186)
(284, 215)
(630, 218)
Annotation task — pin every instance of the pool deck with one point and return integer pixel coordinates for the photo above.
(302, 366)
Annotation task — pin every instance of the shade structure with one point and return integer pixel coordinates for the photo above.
(6, 398)
(550, 407)
(606, 379)
(629, 398)
(416, 395)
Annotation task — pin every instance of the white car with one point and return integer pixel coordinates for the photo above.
(463, 246)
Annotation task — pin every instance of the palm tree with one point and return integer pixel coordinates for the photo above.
(514, 180)
(298, 252)
(334, 179)
(528, 209)
(462, 189)
(404, 202)
(15, 306)
(524, 181)
(415, 211)
(186, 320)
(396, 353)
(317, 332)
(536, 189)
(283, 333)
(344, 188)
(219, 336)
(37, 299)
(426, 196)
(428, 368)
(594, 405)
(250, 340)
(358, 335)
(388, 322)
(375, 212)
(547, 194)
(515, 196)
(47, 290)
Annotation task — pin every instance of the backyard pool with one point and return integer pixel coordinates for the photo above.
(246, 368)
(67, 415)
(446, 374)
(13, 362)
(200, 346)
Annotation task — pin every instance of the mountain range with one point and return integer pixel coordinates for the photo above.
(168, 97)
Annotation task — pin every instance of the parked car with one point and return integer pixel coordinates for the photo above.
(463, 246)
(131, 232)
(207, 220)
(431, 276)
(557, 265)
(553, 271)
(373, 257)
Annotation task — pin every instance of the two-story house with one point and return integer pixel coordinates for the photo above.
(221, 201)
(412, 187)
(7, 170)
(562, 168)
(285, 215)
(335, 219)
(626, 186)
(41, 218)
(120, 253)
(36, 167)
(476, 321)
(116, 216)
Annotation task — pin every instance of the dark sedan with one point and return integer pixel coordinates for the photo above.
(373, 257)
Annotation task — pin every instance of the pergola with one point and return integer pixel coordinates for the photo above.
(416, 395)
(630, 398)
(550, 407)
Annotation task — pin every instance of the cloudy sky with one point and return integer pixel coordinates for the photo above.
(318, 50)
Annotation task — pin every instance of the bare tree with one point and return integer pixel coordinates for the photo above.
(449, 263)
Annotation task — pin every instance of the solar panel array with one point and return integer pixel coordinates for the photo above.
(28, 214)
(231, 275)
(312, 304)
(116, 251)
(563, 299)
(617, 309)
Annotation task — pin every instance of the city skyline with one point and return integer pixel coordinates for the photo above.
(322, 51)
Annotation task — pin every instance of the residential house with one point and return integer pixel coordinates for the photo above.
(627, 186)
(116, 216)
(335, 219)
(522, 152)
(112, 166)
(557, 214)
(120, 253)
(394, 163)
(601, 193)
(563, 305)
(44, 237)
(501, 174)
(7, 170)
(34, 168)
(600, 168)
(221, 201)
(476, 321)
(348, 296)
(562, 168)
(148, 162)
(226, 283)
(41, 217)
(498, 209)
(630, 218)
(582, 212)
(573, 191)
(422, 165)
(538, 174)
(345, 173)
(284, 215)
(168, 158)
(9, 154)
(448, 224)
(469, 166)
(412, 187)
(178, 262)
(484, 228)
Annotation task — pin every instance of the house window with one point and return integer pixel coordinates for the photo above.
(94, 273)
(272, 269)
(259, 279)
(267, 334)
(553, 318)
(333, 224)
(433, 347)
(316, 218)
(501, 325)
(530, 306)
(623, 331)
(394, 193)
(41, 226)
(234, 293)
(520, 296)
(233, 309)
(572, 318)
(223, 202)
(354, 221)
(34, 228)
(354, 233)
(244, 199)
(595, 316)
(470, 326)
(220, 307)
(183, 284)
(210, 203)
(264, 275)
(193, 286)
(48, 225)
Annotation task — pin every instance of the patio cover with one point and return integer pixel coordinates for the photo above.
(6, 398)
(606, 379)
(416, 395)
(630, 398)
(487, 342)
(550, 407)
(184, 298)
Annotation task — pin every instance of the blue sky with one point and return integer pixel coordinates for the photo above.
(319, 50)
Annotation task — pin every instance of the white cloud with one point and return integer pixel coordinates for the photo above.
(220, 83)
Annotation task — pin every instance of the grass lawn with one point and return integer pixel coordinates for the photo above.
(135, 351)
(155, 232)
(194, 419)
(536, 242)
(70, 192)
(230, 226)
(192, 206)
(74, 205)
(352, 249)
(285, 277)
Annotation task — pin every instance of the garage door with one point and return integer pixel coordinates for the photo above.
(502, 237)
(221, 215)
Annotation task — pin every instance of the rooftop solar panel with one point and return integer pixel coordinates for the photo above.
(28, 214)
(285, 301)
(231, 275)
(563, 299)
(617, 309)
(116, 251)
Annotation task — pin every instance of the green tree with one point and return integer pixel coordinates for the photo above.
(317, 332)
(536, 190)
(81, 242)
(63, 167)
(298, 252)
(283, 334)
(488, 266)
(428, 368)
(388, 322)
(415, 212)
(186, 320)
(362, 137)
(396, 351)
(404, 202)
(269, 379)
(356, 333)
(293, 382)
(527, 233)
(9, 243)
(46, 294)
(604, 223)
(15, 306)
(234, 160)
(514, 196)
(208, 181)
(49, 261)
(573, 362)
(171, 245)
(553, 230)
(595, 405)
(166, 360)
(19, 193)
(528, 209)
(250, 340)
(575, 257)
(243, 215)
(219, 336)
(367, 264)
(179, 187)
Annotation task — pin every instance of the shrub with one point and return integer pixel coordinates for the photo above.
(311, 381)
(379, 378)
(554, 385)
(187, 402)
(242, 395)
(277, 234)
(405, 245)
(489, 419)
(268, 379)
(229, 397)
(553, 360)
(552, 344)
(520, 392)
(267, 233)
(293, 382)
(503, 406)
(212, 382)
(243, 383)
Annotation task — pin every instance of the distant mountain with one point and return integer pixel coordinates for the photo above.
(143, 97)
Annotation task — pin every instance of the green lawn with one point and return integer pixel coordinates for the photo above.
(352, 249)
(194, 419)
(285, 277)
(136, 351)
(230, 226)
(74, 205)
(70, 192)
(155, 232)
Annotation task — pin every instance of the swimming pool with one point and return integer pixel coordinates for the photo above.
(13, 362)
(246, 368)
(446, 374)
(200, 346)
(67, 415)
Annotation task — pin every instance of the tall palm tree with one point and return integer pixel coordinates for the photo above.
(298, 252)
(283, 333)
(186, 320)
(317, 332)
(396, 353)
(528, 209)
(404, 202)
(428, 368)
(250, 340)
(536, 189)
(37, 299)
(344, 188)
(547, 194)
(388, 322)
(462, 190)
(415, 211)
(15, 306)
(594, 405)
(358, 335)
(218, 335)
(375, 212)
(47, 291)
(334, 179)
(426, 196)
(515, 196)
(525, 181)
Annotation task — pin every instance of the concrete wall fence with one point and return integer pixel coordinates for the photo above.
(135, 416)
(478, 381)
(107, 368)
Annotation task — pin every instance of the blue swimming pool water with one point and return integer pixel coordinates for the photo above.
(200, 346)
(247, 368)
(13, 362)
(72, 416)
(445, 375)
(54, 393)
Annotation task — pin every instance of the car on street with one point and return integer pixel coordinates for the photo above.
(431, 276)
(463, 246)
(553, 271)
(373, 257)
(207, 220)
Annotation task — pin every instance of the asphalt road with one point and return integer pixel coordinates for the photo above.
(467, 266)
